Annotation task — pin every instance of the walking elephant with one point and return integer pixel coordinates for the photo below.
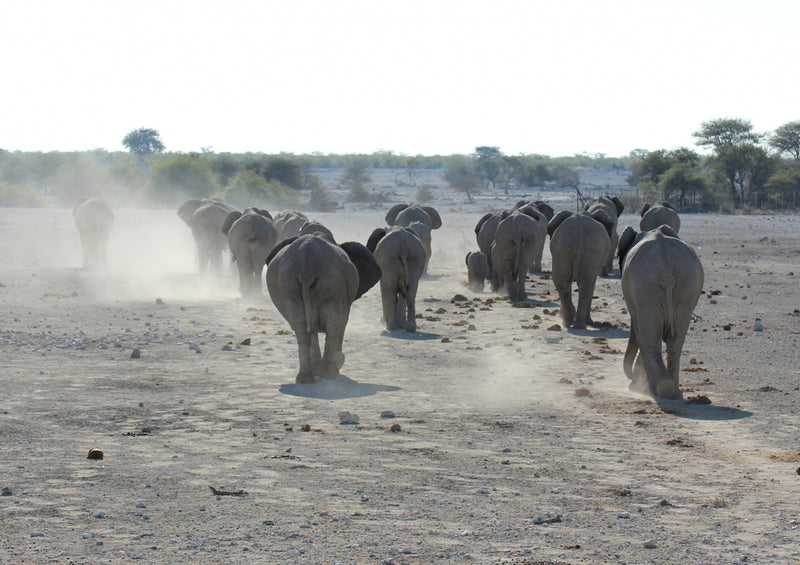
(485, 230)
(206, 218)
(579, 245)
(659, 215)
(289, 223)
(477, 270)
(405, 214)
(401, 256)
(94, 220)
(313, 283)
(251, 236)
(513, 252)
(662, 278)
(614, 207)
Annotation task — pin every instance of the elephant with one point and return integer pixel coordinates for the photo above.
(289, 223)
(658, 215)
(614, 207)
(477, 270)
(485, 230)
(662, 278)
(313, 283)
(401, 256)
(540, 206)
(405, 214)
(579, 244)
(513, 252)
(94, 220)
(313, 226)
(206, 218)
(542, 219)
(251, 236)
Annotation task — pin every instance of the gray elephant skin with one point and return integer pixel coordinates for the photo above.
(659, 215)
(513, 252)
(313, 283)
(408, 214)
(477, 270)
(94, 220)
(614, 207)
(206, 218)
(579, 244)
(251, 237)
(401, 256)
(661, 282)
(289, 223)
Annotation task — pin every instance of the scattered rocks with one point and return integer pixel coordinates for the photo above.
(699, 399)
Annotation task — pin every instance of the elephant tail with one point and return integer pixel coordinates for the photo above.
(406, 276)
(305, 290)
(630, 352)
(669, 315)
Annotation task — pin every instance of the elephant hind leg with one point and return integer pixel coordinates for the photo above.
(567, 307)
(307, 344)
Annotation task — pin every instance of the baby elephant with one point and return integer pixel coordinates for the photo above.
(94, 220)
(661, 283)
(477, 270)
(401, 256)
(313, 282)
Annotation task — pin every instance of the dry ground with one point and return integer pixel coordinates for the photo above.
(509, 442)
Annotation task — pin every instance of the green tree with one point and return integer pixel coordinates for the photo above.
(488, 164)
(786, 139)
(685, 184)
(181, 177)
(726, 131)
(251, 189)
(783, 186)
(461, 175)
(355, 178)
(143, 142)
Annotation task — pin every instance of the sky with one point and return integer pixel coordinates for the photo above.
(415, 77)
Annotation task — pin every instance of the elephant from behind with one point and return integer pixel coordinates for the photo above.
(513, 252)
(206, 218)
(579, 244)
(613, 207)
(401, 256)
(477, 270)
(313, 283)
(662, 278)
(251, 237)
(94, 220)
(658, 215)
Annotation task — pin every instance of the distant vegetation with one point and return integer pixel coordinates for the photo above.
(745, 170)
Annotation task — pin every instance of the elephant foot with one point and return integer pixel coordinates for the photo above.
(329, 374)
(579, 325)
(304, 378)
(666, 389)
(411, 326)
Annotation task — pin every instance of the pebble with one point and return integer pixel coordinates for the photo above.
(346, 417)
(6, 491)
(136, 353)
(387, 414)
(649, 544)
(758, 326)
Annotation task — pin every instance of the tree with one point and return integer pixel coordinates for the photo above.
(355, 177)
(488, 163)
(682, 181)
(726, 131)
(462, 176)
(143, 142)
(786, 139)
(783, 187)
(251, 189)
(183, 176)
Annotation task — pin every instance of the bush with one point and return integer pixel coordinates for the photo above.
(19, 196)
(181, 177)
(251, 189)
(423, 194)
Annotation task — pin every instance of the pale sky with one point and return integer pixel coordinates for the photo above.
(412, 76)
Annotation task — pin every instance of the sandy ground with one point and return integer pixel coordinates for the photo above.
(483, 438)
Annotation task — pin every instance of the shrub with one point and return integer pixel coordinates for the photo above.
(251, 189)
(19, 196)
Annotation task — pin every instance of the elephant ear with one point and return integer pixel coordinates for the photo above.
(545, 209)
(531, 211)
(374, 238)
(187, 209)
(669, 205)
(645, 208)
(436, 219)
(482, 221)
(556, 221)
(391, 215)
(601, 216)
(626, 241)
(618, 203)
(505, 214)
(369, 273)
(281, 245)
(520, 204)
(229, 219)
(466, 260)
(264, 213)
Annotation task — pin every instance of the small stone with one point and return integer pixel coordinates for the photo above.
(758, 326)
(395, 428)
(136, 353)
(649, 544)
(94, 454)
(387, 414)
(583, 392)
(245, 341)
(693, 361)
(446, 340)
(346, 417)
(6, 491)
(554, 328)
(159, 301)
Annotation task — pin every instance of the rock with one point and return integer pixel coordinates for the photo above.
(387, 414)
(693, 361)
(459, 298)
(159, 301)
(649, 544)
(699, 399)
(582, 392)
(395, 428)
(245, 341)
(554, 328)
(136, 353)
(758, 326)
(346, 417)
(6, 491)
(94, 454)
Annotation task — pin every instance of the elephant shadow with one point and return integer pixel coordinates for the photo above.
(410, 336)
(335, 389)
(709, 412)
(601, 330)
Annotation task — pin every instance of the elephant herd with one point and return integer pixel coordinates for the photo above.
(313, 280)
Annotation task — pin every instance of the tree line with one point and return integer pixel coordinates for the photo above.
(744, 170)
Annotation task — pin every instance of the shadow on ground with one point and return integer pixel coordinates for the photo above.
(339, 388)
